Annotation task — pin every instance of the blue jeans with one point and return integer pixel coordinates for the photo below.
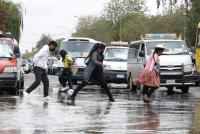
(66, 75)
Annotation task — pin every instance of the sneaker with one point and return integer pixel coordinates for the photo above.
(72, 101)
(46, 99)
(146, 99)
(63, 89)
(25, 94)
(70, 92)
(112, 100)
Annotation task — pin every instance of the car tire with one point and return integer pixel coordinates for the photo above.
(132, 87)
(59, 79)
(170, 89)
(185, 89)
(75, 82)
(22, 84)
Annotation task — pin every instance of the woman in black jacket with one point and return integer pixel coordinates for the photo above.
(94, 71)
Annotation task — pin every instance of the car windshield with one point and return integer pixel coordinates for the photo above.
(6, 50)
(55, 62)
(120, 54)
(78, 48)
(172, 47)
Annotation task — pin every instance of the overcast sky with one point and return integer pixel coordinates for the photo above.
(57, 17)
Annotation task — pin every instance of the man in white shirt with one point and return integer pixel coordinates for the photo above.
(40, 69)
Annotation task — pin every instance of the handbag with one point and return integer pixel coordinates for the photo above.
(73, 68)
(149, 78)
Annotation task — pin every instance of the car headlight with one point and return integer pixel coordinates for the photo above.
(108, 67)
(10, 69)
(188, 68)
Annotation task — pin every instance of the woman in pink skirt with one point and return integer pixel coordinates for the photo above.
(150, 75)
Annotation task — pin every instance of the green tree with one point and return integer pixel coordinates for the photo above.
(169, 23)
(170, 4)
(114, 8)
(44, 40)
(130, 26)
(194, 19)
(94, 27)
(11, 15)
(59, 42)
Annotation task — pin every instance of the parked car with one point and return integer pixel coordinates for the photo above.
(176, 67)
(11, 71)
(115, 57)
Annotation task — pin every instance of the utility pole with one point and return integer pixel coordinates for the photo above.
(120, 32)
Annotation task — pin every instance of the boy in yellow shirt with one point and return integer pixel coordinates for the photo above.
(67, 62)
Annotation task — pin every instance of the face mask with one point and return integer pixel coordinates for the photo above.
(52, 49)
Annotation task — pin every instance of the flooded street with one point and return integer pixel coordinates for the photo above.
(93, 113)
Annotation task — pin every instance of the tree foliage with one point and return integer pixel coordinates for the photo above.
(114, 8)
(193, 20)
(130, 26)
(11, 15)
(44, 40)
(170, 4)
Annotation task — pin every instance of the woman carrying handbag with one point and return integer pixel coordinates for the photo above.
(94, 72)
(150, 76)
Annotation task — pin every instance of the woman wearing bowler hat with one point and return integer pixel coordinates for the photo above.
(150, 76)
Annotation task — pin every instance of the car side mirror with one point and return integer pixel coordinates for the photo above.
(141, 53)
(17, 51)
(190, 53)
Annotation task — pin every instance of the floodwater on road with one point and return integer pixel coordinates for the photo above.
(94, 114)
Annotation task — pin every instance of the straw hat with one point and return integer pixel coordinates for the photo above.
(160, 46)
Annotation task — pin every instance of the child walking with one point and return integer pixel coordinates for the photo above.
(67, 62)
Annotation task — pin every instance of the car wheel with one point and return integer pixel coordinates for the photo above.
(170, 89)
(22, 84)
(75, 82)
(132, 87)
(185, 89)
(14, 90)
(197, 83)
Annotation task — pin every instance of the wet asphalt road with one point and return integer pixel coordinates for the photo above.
(93, 114)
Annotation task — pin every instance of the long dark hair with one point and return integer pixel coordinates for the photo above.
(63, 53)
(95, 47)
(156, 51)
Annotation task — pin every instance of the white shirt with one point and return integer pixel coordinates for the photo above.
(41, 58)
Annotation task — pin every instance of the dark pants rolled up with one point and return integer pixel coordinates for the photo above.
(103, 85)
(40, 75)
(63, 80)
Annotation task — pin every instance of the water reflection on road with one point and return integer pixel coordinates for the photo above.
(93, 114)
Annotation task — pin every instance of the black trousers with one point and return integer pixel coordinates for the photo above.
(148, 90)
(102, 84)
(40, 75)
(66, 73)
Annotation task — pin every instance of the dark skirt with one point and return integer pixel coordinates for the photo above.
(97, 75)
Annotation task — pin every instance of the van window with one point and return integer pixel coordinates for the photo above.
(173, 47)
(133, 50)
(77, 48)
(116, 54)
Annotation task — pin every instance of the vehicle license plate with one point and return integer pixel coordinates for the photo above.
(170, 81)
(120, 76)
